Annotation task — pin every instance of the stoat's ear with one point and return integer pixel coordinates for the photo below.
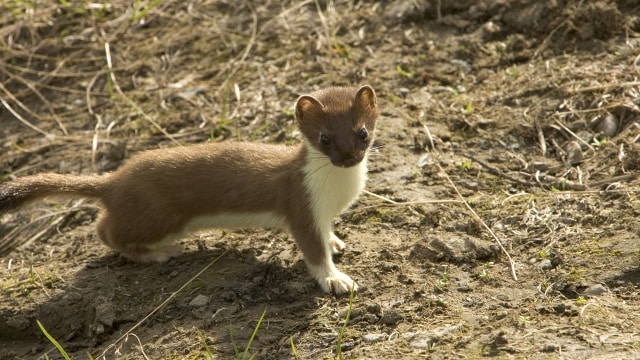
(365, 101)
(308, 107)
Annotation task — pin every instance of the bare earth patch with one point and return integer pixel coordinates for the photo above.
(527, 110)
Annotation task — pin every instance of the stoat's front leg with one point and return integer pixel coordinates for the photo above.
(328, 276)
(317, 245)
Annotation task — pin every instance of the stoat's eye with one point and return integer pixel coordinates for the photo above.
(324, 139)
(363, 134)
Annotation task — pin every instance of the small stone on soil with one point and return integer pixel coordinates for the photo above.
(371, 338)
(422, 341)
(391, 317)
(595, 290)
(228, 296)
(374, 308)
(545, 265)
(199, 301)
(450, 247)
(105, 313)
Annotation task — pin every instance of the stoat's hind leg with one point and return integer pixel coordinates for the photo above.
(152, 254)
(130, 246)
(337, 245)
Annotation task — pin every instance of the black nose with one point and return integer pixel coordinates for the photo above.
(350, 162)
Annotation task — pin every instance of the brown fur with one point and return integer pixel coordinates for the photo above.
(152, 199)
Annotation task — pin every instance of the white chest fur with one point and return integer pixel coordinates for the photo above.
(331, 189)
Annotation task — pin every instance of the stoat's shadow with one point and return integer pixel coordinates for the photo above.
(109, 295)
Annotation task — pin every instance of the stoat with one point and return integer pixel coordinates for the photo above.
(160, 195)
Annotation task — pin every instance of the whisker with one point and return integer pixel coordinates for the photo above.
(319, 168)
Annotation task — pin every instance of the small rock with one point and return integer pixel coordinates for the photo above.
(18, 323)
(595, 290)
(347, 345)
(391, 317)
(565, 309)
(355, 313)
(409, 335)
(371, 338)
(606, 125)
(199, 301)
(105, 313)
(370, 318)
(550, 348)
(463, 286)
(374, 308)
(471, 185)
(450, 247)
(298, 286)
(34, 350)
(422, 341)
(538, 165)
(574, 153)
(228, 296)
(426, 341)
(545, 265)
(400, 11)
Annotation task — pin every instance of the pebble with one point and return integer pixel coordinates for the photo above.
(17, 323)
(607, 126)
(391, 317)
(105, 314)
(355, 312)
(199, 301)
(595, 290)
(371, 338)
(347, 345)
(458, 248)
(374, 308)
(574, 153)
(370, 318)
(545, 265)
(228, 296)
(422, 341)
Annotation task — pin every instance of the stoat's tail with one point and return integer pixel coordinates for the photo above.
(14, 194)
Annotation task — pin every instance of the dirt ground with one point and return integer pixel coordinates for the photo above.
(527, 110)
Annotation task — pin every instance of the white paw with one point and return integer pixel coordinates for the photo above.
(337, 245)
(336, 282)
(165, 253)
(153, 254)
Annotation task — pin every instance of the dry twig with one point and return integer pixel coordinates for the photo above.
(103, 355)
(131, 102)
(479, 219)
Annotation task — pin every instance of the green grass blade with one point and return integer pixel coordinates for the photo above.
(207, 352)
(346, 322)
(253, 335)
(293, 348)
(53, 341)
(233, 343)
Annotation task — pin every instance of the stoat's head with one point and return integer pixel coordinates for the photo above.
(339, 122)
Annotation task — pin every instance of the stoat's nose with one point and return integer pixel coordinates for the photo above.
(349, 162)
